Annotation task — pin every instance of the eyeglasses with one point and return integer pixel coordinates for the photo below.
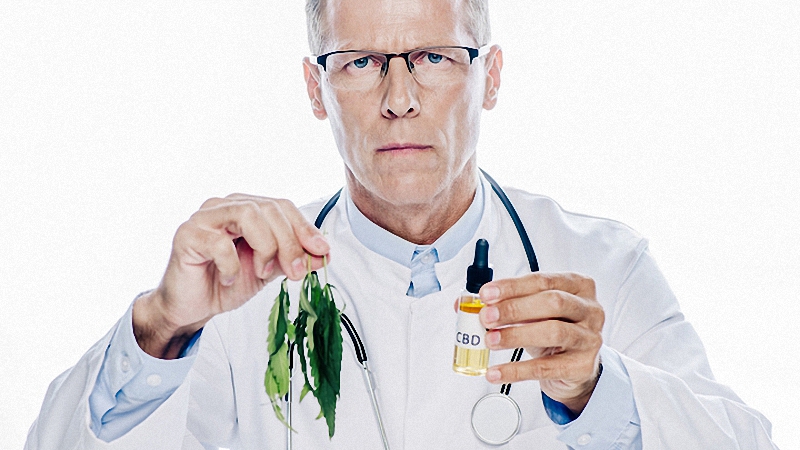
(361, 70)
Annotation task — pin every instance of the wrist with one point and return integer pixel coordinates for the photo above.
(576, 403)
(156, 333)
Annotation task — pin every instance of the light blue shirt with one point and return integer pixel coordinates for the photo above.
(132, 384)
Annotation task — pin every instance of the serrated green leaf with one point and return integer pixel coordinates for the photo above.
(276, 376)
(326, 358)
(306, 390)
(276, 379)
(300, 334)
(279, 367)
(278, 319)
(269, 384)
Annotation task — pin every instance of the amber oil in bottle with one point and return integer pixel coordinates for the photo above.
(471, 357)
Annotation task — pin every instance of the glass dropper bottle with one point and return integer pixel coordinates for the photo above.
(471, 357)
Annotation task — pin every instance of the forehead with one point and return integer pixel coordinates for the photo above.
(395, 25)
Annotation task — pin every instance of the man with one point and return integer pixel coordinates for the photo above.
(608, 361)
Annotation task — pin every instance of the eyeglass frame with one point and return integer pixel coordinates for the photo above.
(473, 54)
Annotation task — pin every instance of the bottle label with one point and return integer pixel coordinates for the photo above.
(469, 331)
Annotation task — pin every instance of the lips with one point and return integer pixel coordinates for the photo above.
(403, 146)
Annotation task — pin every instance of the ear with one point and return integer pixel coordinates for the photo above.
(312, 76)
(494, 64)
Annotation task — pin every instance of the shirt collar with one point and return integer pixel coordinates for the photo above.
(401, 251)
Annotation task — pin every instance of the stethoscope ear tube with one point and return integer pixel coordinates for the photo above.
(533, 263)
(375, 408)
(358, 346)
(361, 356)
(287, 401)
(515, 357)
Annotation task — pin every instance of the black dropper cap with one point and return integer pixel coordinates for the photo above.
(479, 273)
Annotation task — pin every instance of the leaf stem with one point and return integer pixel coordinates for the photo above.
(325, 267)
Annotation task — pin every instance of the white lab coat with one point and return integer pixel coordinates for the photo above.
(410, 347)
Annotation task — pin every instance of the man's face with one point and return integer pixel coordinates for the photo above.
(403, 142)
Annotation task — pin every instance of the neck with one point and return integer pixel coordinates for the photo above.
(423, 222)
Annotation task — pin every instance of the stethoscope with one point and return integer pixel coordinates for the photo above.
(496, 417)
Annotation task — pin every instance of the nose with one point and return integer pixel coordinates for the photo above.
(400, 99)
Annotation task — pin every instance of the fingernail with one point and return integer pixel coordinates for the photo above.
(489, 294)
(298, 267)
(493, 375)
(490, 314)
(229, 280)
(492, 338)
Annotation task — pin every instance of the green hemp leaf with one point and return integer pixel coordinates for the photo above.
(276, 378)
(316, 334)
(324, 349)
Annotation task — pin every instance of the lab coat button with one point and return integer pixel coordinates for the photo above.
(154, 380)
(125, 364)
(584, 439)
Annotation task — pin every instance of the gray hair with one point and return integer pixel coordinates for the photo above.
(477, 23)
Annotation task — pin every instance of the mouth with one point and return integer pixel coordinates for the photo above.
(395, 147)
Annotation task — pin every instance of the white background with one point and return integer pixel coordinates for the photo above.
(117, 119)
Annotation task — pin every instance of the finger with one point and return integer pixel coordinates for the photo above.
(233, 219)
(300, 245)
(290, 256)
(548, 334)
(309, 236)
(573, 367)
(542, 306)
(202, 246)
(534, 283)
(227, 261)
(212, 202)
(272, 270)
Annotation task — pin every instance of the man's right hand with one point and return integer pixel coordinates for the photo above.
(221, 257)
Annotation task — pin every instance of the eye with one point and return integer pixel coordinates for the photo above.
(360, 63)
(435, 58)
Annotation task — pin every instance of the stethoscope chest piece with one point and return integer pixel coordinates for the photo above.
(496, 418)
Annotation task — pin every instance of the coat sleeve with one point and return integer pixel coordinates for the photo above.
(199, 414)
(680, 405)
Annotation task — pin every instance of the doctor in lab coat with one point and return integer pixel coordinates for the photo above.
(609, 361)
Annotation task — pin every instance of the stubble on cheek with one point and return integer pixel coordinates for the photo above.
(459, 125)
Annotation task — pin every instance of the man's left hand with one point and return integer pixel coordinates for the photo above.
(557, 319)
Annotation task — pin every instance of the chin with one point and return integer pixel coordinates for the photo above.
(410, 191)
